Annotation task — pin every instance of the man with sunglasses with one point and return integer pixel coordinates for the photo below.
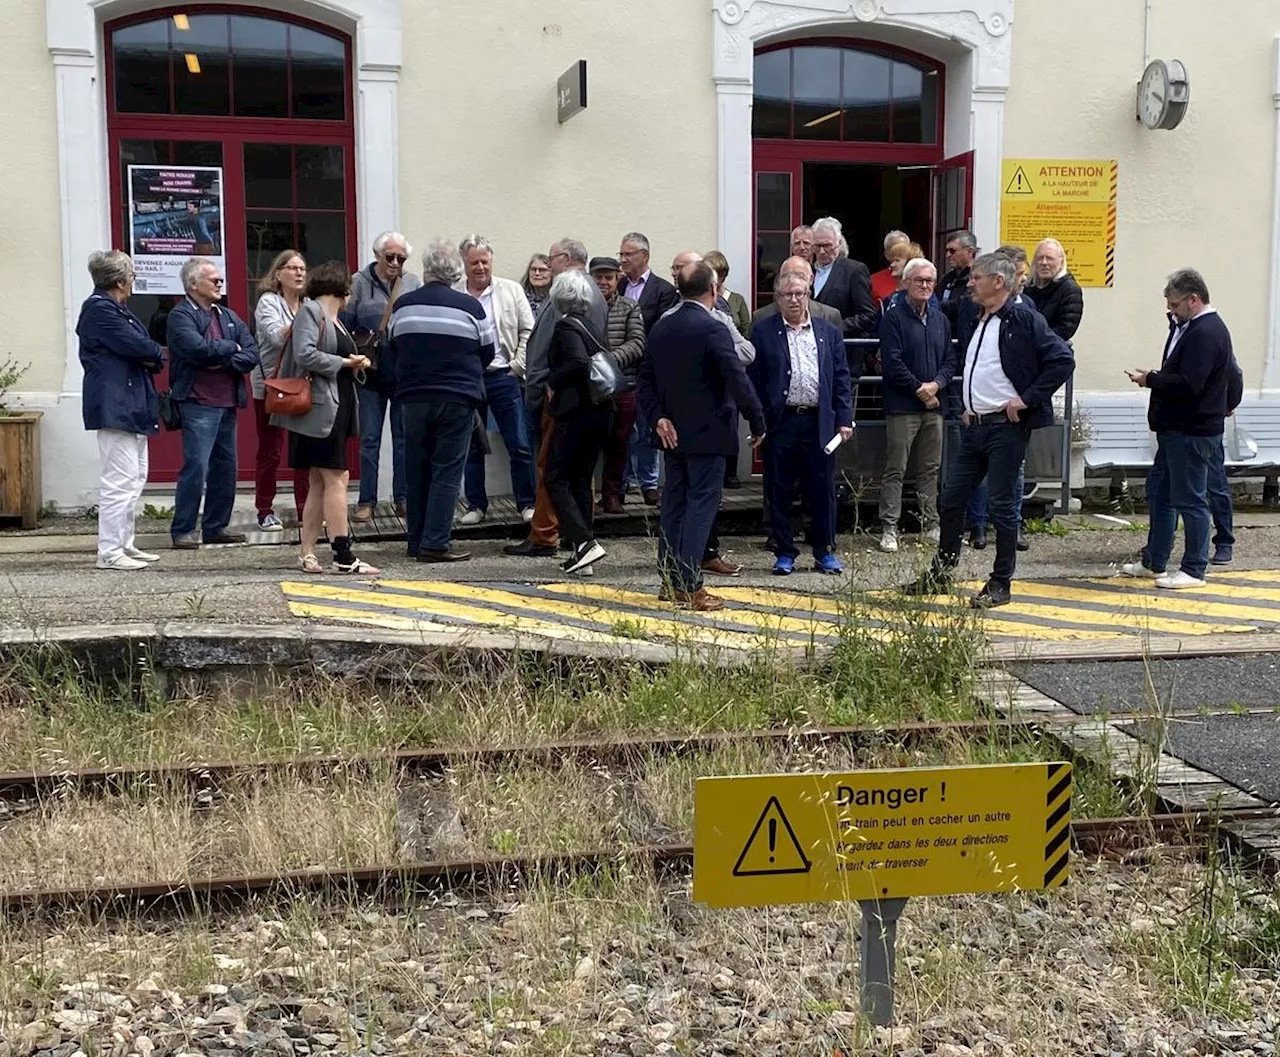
(210, 351)
(374, 290)
(1191, 395)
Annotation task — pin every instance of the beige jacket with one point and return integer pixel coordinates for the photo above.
(515, 320)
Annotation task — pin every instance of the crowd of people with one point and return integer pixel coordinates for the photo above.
(600, 360)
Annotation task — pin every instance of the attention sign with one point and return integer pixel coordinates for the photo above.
(800, 838)
(1073, 201)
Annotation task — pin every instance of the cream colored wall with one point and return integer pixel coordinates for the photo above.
(481, 150)
(31, 314)
(1199, 195)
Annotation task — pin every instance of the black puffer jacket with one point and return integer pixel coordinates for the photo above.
(1061, 303)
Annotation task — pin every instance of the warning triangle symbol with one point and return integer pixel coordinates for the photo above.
(1019, 185)
(772, 847)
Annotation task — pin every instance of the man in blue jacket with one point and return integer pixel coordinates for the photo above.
(1013, 364)
(690, 386)
(210, 350)
(1190, 397)
(917, 361)
(801, 374)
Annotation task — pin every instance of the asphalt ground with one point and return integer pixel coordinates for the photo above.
(1243, 750)
(1183, 685)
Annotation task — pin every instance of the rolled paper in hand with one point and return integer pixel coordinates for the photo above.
(834, 443)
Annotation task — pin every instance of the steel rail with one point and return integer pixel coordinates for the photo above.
(491, 873)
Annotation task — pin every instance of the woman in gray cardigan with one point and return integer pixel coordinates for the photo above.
(280, 296)
(321, 348)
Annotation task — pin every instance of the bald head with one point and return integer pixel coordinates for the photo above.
(797, 266)
(681, 261)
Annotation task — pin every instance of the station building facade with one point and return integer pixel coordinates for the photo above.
(709, 123)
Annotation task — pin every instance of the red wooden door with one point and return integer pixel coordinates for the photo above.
(266, 101)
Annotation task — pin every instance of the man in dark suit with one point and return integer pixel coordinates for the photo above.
(841, 282)
(655, 296)
(802, 377)
(690, 386)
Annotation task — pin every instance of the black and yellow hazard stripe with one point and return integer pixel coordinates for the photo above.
(1057, 825)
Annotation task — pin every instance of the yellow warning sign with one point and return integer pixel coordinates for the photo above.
(798, 838)
(1071, 200)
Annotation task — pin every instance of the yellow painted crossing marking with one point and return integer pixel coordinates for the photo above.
(1060, 610)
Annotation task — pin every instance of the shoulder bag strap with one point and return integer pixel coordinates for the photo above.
(582, 327)
(288, 338)
(386, 311)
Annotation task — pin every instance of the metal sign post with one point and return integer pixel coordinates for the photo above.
(878, 945)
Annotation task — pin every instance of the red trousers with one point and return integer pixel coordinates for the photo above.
(267, 465)
(617, 445)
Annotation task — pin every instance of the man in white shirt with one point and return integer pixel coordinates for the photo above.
(1013, 364)
(504, 302)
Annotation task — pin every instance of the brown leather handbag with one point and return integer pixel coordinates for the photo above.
(369, 342)
(290, 396)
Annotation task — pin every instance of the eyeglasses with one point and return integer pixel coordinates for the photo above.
(792, 295)
(394, 258)
(216, 282)
(293, 268)
(921, 281)
(562, 253)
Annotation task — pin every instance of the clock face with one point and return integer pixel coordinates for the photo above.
(1153, 94)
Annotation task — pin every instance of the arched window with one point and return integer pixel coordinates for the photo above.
(228, 65)
(846, 93)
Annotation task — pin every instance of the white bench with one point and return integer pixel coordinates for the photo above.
(1121, 445)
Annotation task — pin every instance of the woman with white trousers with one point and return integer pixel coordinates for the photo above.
(120, 361)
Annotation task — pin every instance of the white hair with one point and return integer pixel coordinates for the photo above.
(571, 292)
(830, 224)
(574, 249)
(192, 269)
(895, 236)
(441, 263)
(636, 239)
(380, 243)
(474, 242)
(108, 268)
(916, 264)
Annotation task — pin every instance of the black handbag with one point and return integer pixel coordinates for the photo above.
(170, 414)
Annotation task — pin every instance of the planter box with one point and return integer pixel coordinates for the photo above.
(21, 494)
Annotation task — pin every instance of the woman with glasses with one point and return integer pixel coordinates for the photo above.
(279, 299)
(374, 290)
(537, 282)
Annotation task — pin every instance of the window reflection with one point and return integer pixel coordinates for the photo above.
(225, 64)
(851, 94)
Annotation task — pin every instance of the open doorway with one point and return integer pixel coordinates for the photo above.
(870, 200)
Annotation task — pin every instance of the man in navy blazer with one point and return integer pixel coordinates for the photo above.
(802, 377)
(690, 385)
(841, 282)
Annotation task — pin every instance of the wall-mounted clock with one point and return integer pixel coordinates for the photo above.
(1164, 93)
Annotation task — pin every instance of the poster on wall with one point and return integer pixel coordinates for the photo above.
(1072, 200)
(175, 212)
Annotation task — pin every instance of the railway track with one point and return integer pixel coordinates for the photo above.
(484, 875)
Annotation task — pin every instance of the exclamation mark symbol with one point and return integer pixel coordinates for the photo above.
(773, 837)
(944, 792)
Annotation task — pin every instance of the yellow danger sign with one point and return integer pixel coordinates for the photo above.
(1071, 200)
(799, 838)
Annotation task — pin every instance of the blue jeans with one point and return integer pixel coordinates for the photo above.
(694, 484)
(506, 402)
(1178, 483)
(994, 450)
(373, 409)
(208, 468)
(1220, 503)
(437, 438)
(643, 462)
(978, 501)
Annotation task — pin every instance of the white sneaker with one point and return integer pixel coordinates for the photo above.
(141, 556)
(586, 570)
(1179, 580)
(889, 541)
(933, 535)
(121, 563)
(472, 517)
(583, 555)
(1138, 570)
(526, 515)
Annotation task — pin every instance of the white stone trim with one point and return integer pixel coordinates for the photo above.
(974, 38)
(74, 36)
(1271, 368)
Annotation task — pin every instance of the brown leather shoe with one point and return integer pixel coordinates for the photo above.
(652, 497)
(720, 567)
(364, 513)
(611, 505)
(700, 601)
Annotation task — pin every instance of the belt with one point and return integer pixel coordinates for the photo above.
(801, 409)
(498, 370)
(988, 418)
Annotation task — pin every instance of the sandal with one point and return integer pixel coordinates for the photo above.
(355, 567)
(309, 563)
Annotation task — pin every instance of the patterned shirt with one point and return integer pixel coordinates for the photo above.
(802, 344)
